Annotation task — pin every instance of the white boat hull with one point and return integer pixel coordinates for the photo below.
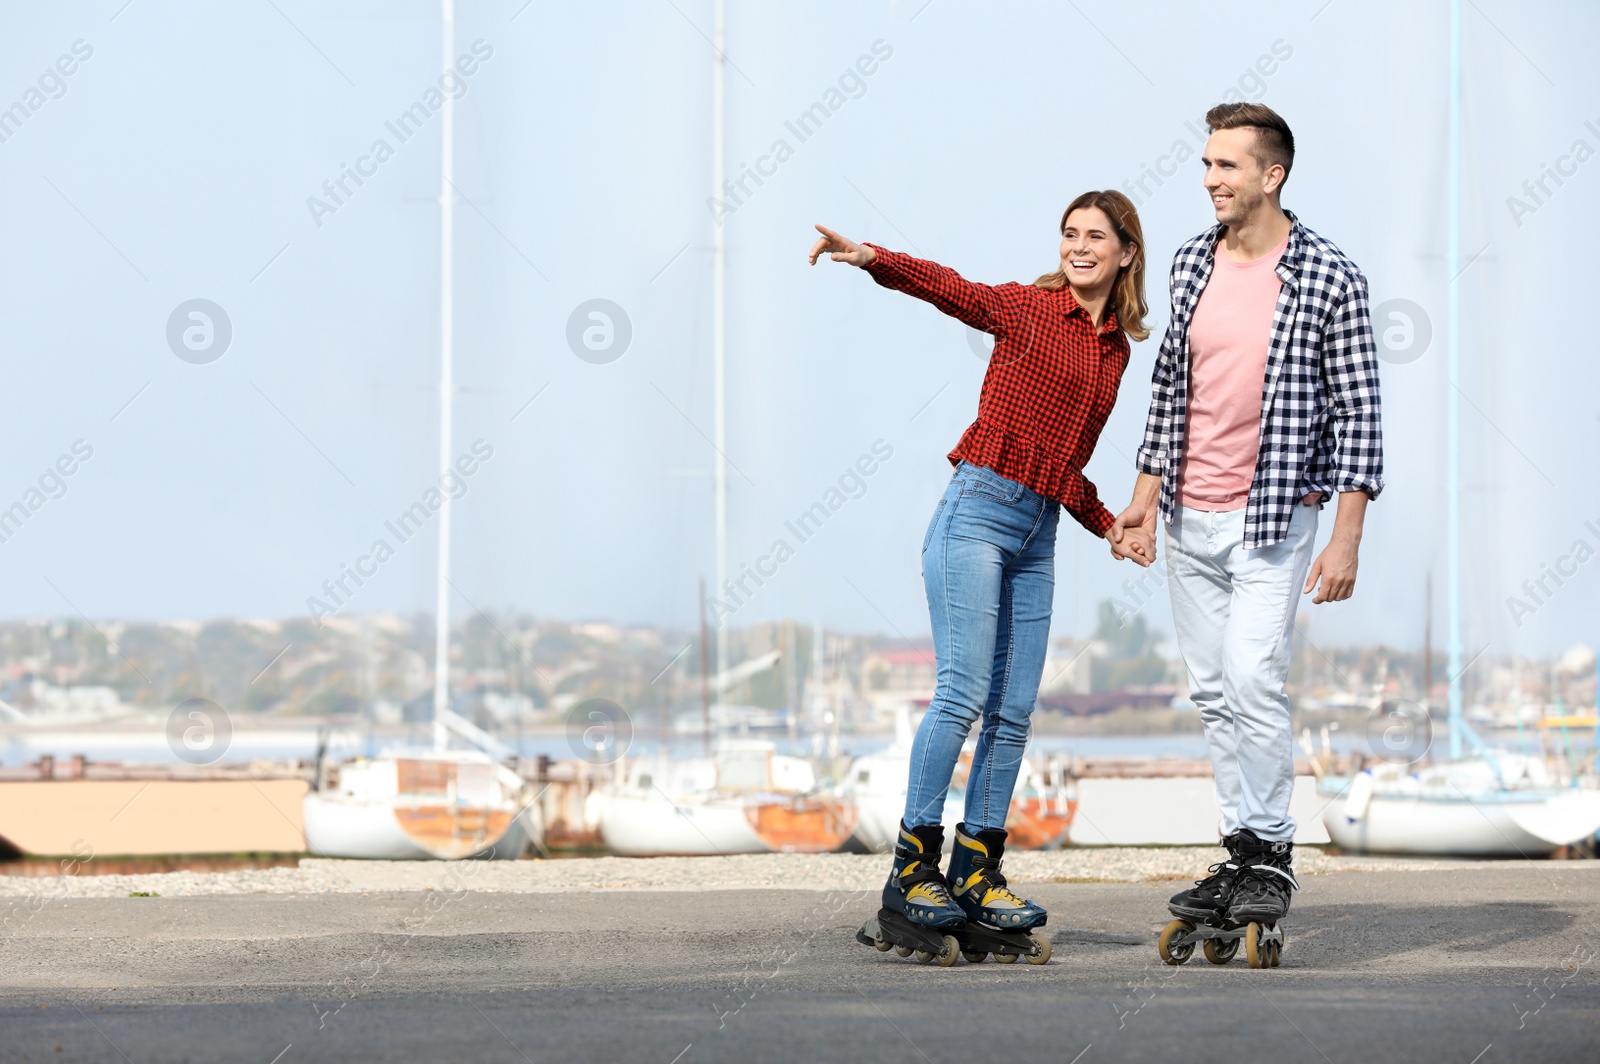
(1513, 825)
(350, 829)
(655, 827)
(369, 830)
(435, 805)
(1172, 811)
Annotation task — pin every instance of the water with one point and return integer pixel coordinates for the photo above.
(148, 746)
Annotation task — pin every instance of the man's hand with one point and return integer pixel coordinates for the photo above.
(1335, 567)
(841, 249)
(1134, 530)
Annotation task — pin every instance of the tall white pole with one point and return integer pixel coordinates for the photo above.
(719, 336)
(441, 646)
(1452, 402)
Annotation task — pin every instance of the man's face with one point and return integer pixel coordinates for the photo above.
(1234, 177)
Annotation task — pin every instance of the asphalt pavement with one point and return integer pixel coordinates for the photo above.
(1470, 966)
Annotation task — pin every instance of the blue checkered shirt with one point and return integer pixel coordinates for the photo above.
(1320, 424)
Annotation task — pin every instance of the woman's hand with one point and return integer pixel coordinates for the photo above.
(840, 249)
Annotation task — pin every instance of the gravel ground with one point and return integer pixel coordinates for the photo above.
(788, 871)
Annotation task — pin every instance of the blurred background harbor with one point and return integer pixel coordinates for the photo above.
(577, 739)
(270, 377)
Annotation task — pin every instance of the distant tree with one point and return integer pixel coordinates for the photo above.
(1125, 637)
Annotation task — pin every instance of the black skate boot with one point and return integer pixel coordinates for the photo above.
(1261, 894)
(1227, 908)
(998, 921)
(1262, 887)
(1207, 900)
(918, 913)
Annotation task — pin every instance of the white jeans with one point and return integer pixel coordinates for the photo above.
(1234, 612)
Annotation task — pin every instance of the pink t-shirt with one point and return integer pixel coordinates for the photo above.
(1228, 339)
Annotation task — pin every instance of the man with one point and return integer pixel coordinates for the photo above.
(1264, 403)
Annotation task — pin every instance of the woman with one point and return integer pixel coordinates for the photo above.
(988, 559)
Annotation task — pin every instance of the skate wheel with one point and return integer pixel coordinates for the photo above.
(1174, 954)
(952, 950)
(882, 945)
(1043, 956)
(974, 956)
(1005, 958)
(923, 956)
(1258, 953)
(902, 951)
(1220, 950)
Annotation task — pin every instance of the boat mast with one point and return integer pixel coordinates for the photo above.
(719, 353)
(1452, 401)
(441, 644)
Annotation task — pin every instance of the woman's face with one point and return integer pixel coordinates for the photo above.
(1091, 252)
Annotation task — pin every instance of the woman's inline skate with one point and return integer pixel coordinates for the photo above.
(918, 914)
(998, 921)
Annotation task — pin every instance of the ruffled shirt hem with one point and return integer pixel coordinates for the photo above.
(1019, 458)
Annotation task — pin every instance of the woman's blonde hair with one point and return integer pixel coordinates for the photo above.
(1127, 294)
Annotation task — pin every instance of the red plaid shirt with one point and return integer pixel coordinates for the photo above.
(1051, 384)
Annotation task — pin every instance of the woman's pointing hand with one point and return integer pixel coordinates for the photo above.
(840, 249)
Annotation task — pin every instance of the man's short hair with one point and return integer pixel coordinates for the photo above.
(1274, 141)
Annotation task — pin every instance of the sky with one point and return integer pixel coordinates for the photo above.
(190, 152)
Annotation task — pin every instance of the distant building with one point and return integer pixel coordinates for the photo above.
(891, 678)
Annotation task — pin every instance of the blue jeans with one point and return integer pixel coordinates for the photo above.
(988, 562)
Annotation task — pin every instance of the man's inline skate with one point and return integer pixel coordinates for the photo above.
(998, 921)
(918, 914)
(1241, 899)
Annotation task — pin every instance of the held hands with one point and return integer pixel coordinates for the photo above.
(840, 249)
(1135, 545)
(1133, 534)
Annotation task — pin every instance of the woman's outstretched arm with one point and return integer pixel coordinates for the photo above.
(984, 307)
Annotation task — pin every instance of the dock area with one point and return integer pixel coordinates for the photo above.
(753, 958)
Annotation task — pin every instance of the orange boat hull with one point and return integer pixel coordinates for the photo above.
(802, 826)
(1039, 823)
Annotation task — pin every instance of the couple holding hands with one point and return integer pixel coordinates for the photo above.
(1264, 404)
